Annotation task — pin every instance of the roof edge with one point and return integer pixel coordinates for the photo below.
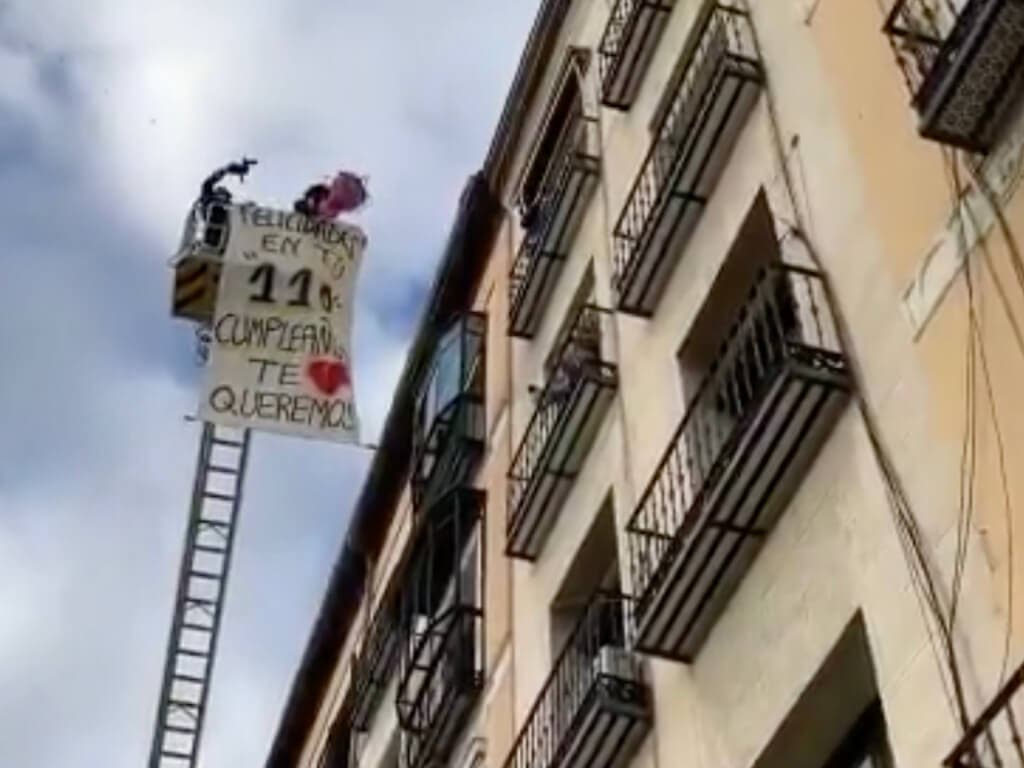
(542, 39)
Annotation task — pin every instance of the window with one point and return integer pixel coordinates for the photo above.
(594, 567)
(737, 336)
(866, 745)
(837, 721)
(557, 132)
(444, 381)
(584, 295)
(449, 404)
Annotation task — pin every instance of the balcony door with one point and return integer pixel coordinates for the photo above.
(736, 339)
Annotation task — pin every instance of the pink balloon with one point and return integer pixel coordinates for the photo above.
(347, 192)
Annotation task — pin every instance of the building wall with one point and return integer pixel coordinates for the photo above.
(832, 142)
(396, 541)
(873, 198)
(912, 194)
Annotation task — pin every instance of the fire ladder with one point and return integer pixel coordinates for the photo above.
(199, 604)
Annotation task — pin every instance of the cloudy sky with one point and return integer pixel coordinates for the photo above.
(111, 112)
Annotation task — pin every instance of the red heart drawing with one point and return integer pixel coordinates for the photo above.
(328, 374)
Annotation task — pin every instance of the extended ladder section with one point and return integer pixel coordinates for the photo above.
(199, 604)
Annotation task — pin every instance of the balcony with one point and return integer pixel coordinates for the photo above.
(994, 740)
(627, 45)
(766, 404)
(699, 126)
(552, 221)
(373, 665)
(594, 709)
(448, 422)
(569, 411)
(960, 59)
(441, 668)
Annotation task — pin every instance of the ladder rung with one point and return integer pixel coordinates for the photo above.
(206, 574)
(197, 627)
(211, 605)
(218, 496)
(190, 652)
(222, 469)
(194, 601)
(190, 679)
(175, 755)
(184, 704)
(216, 522)
(208, 548)
(217, 528)
(180, 729)
(229, 443)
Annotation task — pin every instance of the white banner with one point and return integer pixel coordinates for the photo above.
(280, 351)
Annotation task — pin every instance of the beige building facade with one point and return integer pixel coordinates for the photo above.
(708, 448)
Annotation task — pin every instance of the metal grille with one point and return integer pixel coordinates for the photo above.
(960, 60)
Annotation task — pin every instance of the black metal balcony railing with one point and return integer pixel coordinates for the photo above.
(440, 670)
(449, 422)
(995, 739)
(449, 677)
(374, 664)
(552, 222)
(569, 411)
(746, 438)
(698, 129)
(594, 708)
(627, 45)
(960, 59)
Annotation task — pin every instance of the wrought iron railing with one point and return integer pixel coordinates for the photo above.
(445, 654)
(373, 665)
(624, 13)
(581, 666)
(441, 622)
(622, 25)
(962, 61)
(575, 151)
(726, 33)
(578, 358)
(995, 740)
(786, 317)
(919, 30)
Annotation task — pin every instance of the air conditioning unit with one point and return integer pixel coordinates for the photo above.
(613, 661)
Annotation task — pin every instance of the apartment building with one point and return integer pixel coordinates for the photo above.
(707, 449)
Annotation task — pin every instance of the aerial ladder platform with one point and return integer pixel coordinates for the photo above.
(219, 475)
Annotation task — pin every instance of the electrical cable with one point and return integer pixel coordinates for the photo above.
(921, 569)
(976, 333)
(968, 449)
